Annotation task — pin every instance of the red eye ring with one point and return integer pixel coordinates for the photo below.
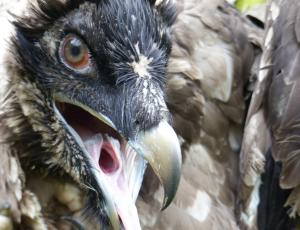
(74, 52)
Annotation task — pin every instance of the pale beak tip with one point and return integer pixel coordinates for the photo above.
(160, 147)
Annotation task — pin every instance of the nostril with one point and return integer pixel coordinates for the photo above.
(107, 162)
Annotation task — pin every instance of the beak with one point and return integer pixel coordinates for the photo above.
(118, 171)
(160, 147)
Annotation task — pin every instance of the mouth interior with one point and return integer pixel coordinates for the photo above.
(122, 165)
(87, 127)
(107, 162)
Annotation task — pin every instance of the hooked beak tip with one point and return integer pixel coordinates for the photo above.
(160, 147)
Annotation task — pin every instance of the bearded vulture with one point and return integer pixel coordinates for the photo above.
(86, 90)
(82, 112)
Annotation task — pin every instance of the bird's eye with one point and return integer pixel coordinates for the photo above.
(75, 53)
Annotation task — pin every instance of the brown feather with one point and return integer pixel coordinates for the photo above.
(209, 67)
(283, 96)
(273, 117)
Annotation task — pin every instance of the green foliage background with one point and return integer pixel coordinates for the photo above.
(243, 5)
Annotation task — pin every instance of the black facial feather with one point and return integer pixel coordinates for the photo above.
(42, 16)
(129, 42)
(59, 153)
(115, 37)
(46, 12)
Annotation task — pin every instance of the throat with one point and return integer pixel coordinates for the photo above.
(103, 153)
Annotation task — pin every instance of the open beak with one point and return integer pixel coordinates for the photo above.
(118, 164)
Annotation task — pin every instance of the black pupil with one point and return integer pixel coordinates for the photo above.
(75, 47)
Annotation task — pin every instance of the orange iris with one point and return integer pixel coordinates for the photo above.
(75, 53)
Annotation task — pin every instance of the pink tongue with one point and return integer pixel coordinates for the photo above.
(116, 181)
(93, 145)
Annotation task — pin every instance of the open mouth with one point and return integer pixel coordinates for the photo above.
(88, 128)
(116, 166)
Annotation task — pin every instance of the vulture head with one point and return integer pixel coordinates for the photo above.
(88, 80)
